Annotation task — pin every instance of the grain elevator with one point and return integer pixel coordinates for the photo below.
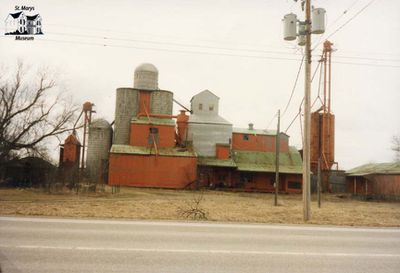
(146, 150)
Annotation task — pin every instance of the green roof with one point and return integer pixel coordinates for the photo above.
(265, 161)
(153, 120)
(375, 168)
(138, 150)
(215, 162)
(254, 131)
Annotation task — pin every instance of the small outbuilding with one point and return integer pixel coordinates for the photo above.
(377, 181)
(28, 172)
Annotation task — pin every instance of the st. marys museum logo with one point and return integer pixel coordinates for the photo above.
(23, 23)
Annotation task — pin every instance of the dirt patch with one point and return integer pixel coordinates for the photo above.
(135, 203)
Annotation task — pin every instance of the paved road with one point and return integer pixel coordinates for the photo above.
(67, 245)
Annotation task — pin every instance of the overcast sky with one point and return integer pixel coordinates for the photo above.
(234, 49)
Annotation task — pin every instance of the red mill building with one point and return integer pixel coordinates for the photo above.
(146, 149)
(153, 148)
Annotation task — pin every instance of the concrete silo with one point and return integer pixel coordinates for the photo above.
(161, 102)
(126, 107)
(99, 144)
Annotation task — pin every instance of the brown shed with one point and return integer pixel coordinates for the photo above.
(378, 181)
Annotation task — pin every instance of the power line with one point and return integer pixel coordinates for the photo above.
(294, 87)
(351, 19)
(335, 21)
(348, 21)
(108, 30)
(367, 64)
(170, 50)
(209, 47)
(199, 52)
(296, 116)
(173, 43)
(367, 58)
(270, 122)
(319, 63)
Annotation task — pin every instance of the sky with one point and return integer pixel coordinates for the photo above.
(235, 49)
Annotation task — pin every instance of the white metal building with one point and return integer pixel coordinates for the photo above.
(206, 128)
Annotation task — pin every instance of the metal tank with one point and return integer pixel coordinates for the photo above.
(318, 21)
(301, 38)
(161, 102)
(146, 77)
(289, 27)
(99, 144)
(125, 109)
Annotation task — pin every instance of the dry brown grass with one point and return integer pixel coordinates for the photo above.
(134, 203)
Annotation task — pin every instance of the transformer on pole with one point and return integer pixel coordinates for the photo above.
(306, 28)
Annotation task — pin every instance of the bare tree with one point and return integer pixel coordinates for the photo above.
(193, 208)
(32, 110)
(396, 147)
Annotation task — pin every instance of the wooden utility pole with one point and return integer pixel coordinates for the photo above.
(307, 118)
(319, 183)
(277, 151)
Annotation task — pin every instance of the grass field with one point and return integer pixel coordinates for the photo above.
(157, 204)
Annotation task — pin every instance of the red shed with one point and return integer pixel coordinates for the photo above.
(380, 181)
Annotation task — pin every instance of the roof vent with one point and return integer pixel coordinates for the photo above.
(251, 126)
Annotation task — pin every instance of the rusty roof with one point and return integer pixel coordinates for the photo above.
(375, 168)
(215, 162)
(154, 120)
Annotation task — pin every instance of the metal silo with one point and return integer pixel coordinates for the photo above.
(99, 144)
(146, 77)
(161, 102)
(125, 109)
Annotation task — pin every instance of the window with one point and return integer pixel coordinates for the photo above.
(153, 130)
(246, 137)
(200, 106)
(294, 185)
(211, 107)
(246, 178)
(153, 135)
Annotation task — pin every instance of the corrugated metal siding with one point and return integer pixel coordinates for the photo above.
(205, 137)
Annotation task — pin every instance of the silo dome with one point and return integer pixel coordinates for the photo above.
(146, 77)
(100, 123)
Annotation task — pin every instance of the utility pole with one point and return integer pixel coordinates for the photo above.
(277, 151)
(319, 183)
(307, 117)
(304, 39)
